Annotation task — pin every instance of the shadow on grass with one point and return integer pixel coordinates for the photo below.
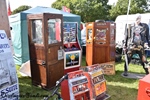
(121, 93)
(119, 78)
(29, 91)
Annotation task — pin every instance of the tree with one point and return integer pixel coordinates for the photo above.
(21, 8)
(89, 10)
(136, 6)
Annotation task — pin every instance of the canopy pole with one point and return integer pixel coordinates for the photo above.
(4, 22)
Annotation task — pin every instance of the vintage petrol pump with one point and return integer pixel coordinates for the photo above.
(97, 82)
(45, 46)
(100, 40)
(75, 87)
(85, 84)
(72, 49)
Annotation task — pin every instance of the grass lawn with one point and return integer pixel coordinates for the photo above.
(118, 88)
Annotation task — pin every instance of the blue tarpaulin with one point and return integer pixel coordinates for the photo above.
(19, 33)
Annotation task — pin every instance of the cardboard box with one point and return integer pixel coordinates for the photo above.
(108, 67)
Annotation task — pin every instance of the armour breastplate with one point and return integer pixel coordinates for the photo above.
(137, 38)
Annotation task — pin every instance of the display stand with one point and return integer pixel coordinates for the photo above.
(46, 48)
(72, 49)
(100, 42)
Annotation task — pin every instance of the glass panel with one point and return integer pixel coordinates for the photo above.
(70, 32)
(54, 31)
(72, 59)
(89, 35)
(37, 31)
(112, 36)
(100, 34)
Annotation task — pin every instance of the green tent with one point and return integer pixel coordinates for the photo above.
(19, 33)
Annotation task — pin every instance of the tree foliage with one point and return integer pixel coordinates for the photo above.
(89, 10)
(136, 6)
(21, 8)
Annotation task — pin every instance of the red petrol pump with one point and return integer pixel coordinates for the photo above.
(97, 82)
(75, 87)
(85, 84)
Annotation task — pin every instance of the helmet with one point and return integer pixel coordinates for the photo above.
(137, 16)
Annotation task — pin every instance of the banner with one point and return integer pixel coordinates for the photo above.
(65, 9)
(9, 9)
(9, 87)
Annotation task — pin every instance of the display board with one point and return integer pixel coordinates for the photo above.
(9, 87)
(72, 49)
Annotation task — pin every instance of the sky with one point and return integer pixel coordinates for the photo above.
(33, 3)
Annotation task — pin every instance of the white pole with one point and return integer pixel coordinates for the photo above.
(126, 58)
(128, 10)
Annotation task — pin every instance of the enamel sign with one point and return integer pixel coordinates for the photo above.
(9, 87)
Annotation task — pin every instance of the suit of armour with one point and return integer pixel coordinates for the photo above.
(139, 37)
